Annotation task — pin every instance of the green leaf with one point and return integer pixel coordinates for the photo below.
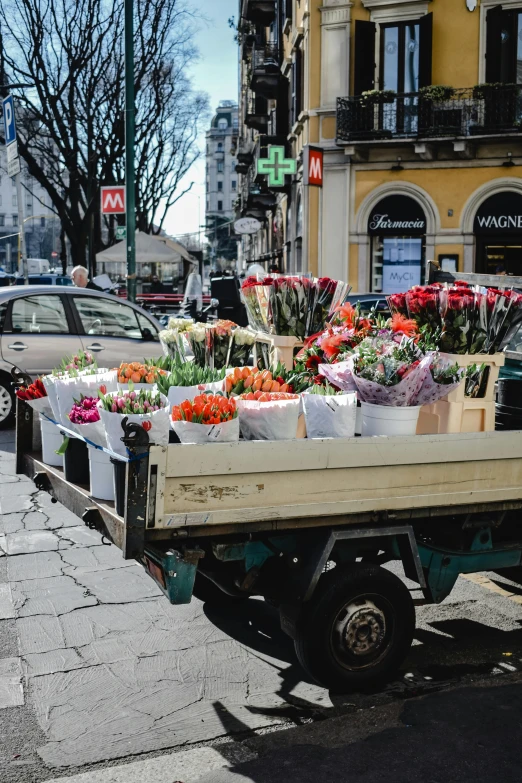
(63, 447)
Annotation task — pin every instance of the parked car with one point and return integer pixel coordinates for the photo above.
(369, 302)
(513, 365)
(49, 278)
(41, 324)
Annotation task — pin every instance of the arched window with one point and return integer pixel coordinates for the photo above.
(222, 123)
(220, 146)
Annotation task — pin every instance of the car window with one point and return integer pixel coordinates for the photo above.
(39, 314)
(146, 324)
(63, 281)
(39, 280)
(103, 318)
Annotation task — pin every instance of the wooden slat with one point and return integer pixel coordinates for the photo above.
(244, 498)
(219, 459)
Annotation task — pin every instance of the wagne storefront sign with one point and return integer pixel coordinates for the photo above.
(500, 214)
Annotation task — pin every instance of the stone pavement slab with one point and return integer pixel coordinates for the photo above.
(11, 688)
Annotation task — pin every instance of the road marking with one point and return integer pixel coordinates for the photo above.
(11, 688)
(483, 581)
(187, 766)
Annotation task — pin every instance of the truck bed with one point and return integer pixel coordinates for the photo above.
(289, 484)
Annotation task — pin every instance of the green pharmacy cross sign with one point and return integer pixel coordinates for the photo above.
(276, 166)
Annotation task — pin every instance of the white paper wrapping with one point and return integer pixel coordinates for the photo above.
(191, 432)
(274, 420)
(330, 416)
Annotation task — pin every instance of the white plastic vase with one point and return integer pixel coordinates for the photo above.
(102, 481)
(389, 419)
(52, 440)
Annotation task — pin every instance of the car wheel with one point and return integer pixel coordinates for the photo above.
(7, 403)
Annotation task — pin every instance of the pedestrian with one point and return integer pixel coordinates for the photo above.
(274, 269)
(80, 278)
(156, 286)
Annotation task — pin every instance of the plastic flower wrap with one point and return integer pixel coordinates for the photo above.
(443, 377)
(172, 338)
(255, 299)
(389, 373)
(149, 409)
(289, 305)
(35, 395)
(326, 297)
(85, 419)
(196, 336)
(423, 304)
(242, 345)
(219, 342)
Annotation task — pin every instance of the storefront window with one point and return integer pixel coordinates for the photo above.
(498, 232)
(397, 227)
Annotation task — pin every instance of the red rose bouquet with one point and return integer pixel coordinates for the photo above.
(326, 297)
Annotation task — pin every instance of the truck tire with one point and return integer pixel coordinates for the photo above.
(357, 629)
(7, 402)
(209, 592)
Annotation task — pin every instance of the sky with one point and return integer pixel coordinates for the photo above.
(216, 73)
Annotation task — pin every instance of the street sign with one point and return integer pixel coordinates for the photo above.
(13, 167)
(54, 254)
(9, 120)
(113, 200)
(247, 225)
(276, 166)
(313, 166)
(121, 232)
(12, 151)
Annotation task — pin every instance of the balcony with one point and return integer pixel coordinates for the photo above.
(431, 114)
(262, 12)
(266, 74)
(256, 112)
(256, 198)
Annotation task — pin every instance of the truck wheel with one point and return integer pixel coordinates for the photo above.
(7, 402)
(209, 592)
(357, 629)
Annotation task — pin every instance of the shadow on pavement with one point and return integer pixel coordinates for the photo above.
(469, 735)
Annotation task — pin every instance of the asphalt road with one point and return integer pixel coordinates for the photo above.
(102, 681)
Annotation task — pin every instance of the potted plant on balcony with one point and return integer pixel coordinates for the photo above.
(501, 106)
(377, 97)
(435, 118)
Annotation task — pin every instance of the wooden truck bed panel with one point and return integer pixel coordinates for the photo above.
(221, 484)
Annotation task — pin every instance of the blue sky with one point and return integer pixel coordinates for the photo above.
(216, 73)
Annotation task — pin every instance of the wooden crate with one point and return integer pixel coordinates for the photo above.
(282, 349)
(470, 415)
(494, 361)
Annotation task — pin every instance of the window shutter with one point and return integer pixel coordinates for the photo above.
(364, 64)
(494, 21)
(426, 47)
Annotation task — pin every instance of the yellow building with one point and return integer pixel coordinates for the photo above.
(417, 108)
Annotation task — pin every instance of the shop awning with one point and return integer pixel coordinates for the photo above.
(149, 250)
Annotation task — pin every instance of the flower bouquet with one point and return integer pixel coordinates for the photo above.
(255, 298)
(196, 336)
(35, 395)
(69, 389)
(423, 304)
(241, 348)
(171, 338)
(85, 419)
(272, 416)
(326, 297)
(219, 338)
(289, 305)
(186, 380)
(209, 418)
(138, 373)
(329, 413)
(150, 409)
(242, 380)
(443, 377)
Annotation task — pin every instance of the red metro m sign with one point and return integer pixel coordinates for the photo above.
(113, 200)
(313, 166)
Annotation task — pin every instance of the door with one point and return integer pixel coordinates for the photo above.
(499, 256)
(114, 332)
(38, 333)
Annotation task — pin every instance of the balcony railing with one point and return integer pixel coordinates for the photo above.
(477, 111)
(266, 73)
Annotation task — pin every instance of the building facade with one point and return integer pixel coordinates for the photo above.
(42, 228)
(221, 183)
(417, 108)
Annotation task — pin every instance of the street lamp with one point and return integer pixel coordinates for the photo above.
(130, 132)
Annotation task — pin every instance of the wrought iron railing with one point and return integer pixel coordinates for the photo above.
(436, 113)
(266, 58)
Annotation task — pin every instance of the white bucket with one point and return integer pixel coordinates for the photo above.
(102, 482)
(52, 440)
(388, 419)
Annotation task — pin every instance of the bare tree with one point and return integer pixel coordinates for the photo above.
(71, 122)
